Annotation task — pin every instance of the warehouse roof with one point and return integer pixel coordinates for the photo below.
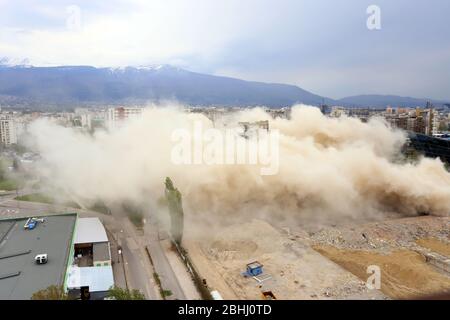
(96, 278)
(90, 230)
(20, 276)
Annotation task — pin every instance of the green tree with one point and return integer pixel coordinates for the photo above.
(166, 293)
(174, 202)
(50, 293)
(443, 126)
(118, 293)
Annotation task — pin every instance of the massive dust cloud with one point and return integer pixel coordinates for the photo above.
(330, 170)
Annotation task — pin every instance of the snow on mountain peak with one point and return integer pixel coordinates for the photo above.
(8, 62)
(146, 68)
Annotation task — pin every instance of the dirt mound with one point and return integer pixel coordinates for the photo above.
(436, 245)
(405, 274)
(384, 236)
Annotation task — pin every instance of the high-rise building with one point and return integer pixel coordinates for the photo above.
(433, 122)
(116, 116)
(8, 132)
(325, 109)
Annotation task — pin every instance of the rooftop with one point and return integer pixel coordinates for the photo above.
(101, 252)
(254, 265)
(20, 276)
(90, 230)
(98, 279)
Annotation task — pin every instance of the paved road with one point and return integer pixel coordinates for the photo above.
(169, 280)
(136, 275)
(118, 265)
(138, 269)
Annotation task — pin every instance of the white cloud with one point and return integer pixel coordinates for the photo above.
(146, 32)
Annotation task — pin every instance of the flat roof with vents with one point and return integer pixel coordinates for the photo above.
(20, 276)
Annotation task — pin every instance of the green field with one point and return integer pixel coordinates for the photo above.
(100, 206)
(43, 198)
(36, 197)
(8, 185)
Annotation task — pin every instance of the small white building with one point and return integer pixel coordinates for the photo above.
(91, 243)
(98, 279)
(91, 267)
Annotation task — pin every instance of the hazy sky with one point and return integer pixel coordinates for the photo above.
(320, 45)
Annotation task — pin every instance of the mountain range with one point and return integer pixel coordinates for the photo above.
(68, 86)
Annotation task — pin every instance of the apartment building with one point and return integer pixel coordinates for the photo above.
(8, 131)
(115, 117)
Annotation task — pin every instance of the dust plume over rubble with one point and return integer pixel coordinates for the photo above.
(329, 169)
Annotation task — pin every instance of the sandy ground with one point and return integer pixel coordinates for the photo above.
(435, 245)
(392, 245)
(329, 262)
(405, 274)
(208, 272)
(296, 270)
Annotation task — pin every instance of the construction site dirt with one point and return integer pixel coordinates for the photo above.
(413, 256)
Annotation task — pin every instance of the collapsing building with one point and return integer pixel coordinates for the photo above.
(252, 128)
